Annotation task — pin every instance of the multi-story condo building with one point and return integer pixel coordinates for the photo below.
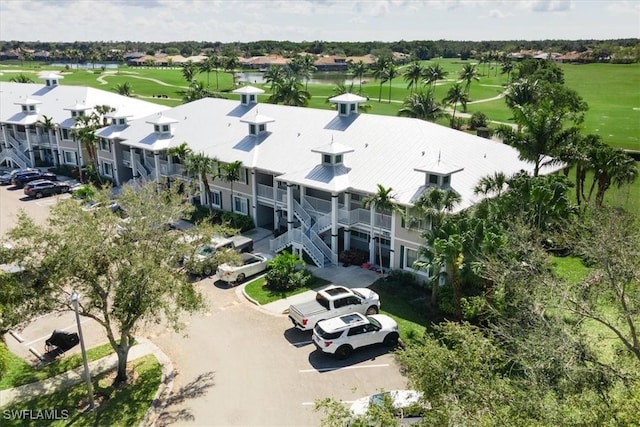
(304, 172)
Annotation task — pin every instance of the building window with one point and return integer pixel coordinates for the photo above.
(352, 107)
(165, 128)
(240, 205)
(69, 157)
(338, 158)
(80, 113)
(107, 169)
(243, 176)
(122, 121)
(105, 145)
(410, 257)
(216, 199)
(262, 128)
(252, 129)
(24, 108)
(326, 159)
(32, 108)
(446, 180)
(156, 128)
(74, 114)
(65, 133)
(244, 99)
(252, 98)
(433, 179)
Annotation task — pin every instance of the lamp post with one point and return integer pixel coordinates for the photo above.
(87, 375)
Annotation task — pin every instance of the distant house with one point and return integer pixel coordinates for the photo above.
(573, 57)
(263, 62)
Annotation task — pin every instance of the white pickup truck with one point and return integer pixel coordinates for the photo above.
(331, 302)
(251, 264)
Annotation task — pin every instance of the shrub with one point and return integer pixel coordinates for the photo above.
(286, 273)
(457, 123)
(478, 120)
(234, 220)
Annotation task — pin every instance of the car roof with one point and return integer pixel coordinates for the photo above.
(343, 322)
(335, 290)
(39, 181)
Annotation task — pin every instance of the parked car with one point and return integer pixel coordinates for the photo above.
(331, 302)
(343, 334)
(407, 404)
(44, 187)
(6, 178)
(24, 177)
(251, 264)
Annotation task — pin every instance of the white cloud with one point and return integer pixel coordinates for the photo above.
(495, 13)
(548, 5)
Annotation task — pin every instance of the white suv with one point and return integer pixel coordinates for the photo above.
(343, 334)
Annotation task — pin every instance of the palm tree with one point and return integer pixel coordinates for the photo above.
(432, 74)
(421, 105)
(307, 68)
(468, 74)
(380, 71)
(48, 125)
(275, 75)
(358, 69)
(540, 134)
(200, 165)
(21, 78)
(611, 166)
(494, 184)
(455, 96)
(289, 91)
(230, 173)
(413, 74)
(435, 205)
(189, 70)
(195, 91)
(207, 66)
(181, 153)
(84, 131)
(230, 63)
(123, 89)
(102, 111)
(522, 92)
(383, 200)
(392, 73)
(507, 67)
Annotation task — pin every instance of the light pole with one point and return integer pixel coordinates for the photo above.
(87, 375)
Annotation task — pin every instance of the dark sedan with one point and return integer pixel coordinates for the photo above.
(44, 187)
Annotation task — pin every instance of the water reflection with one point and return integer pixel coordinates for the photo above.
(327, 78)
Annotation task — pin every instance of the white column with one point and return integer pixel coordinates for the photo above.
(254, 197)
(372, 243)
(116, 165)
(302, 190)
(392, 240)
(32, 158)
(56, 134)
(289, 207)
(334, 223)
(156, 162)
(134, 170)
(276, 224)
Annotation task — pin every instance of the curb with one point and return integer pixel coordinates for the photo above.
(165, 388)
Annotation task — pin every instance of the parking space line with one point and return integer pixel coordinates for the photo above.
(340, 368)
(63, 329)
(300, 343)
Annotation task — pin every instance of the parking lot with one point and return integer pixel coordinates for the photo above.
(237, 364)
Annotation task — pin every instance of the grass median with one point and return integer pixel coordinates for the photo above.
(263, 295)
(18, 372)
(117, 407)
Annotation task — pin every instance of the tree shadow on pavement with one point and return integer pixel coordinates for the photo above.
(172, 412)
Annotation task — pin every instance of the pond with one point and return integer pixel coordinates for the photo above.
(327, 78)
(86, 65)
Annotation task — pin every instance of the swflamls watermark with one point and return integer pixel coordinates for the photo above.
(35, 414)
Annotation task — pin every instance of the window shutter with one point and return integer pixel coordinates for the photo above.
(401, 257)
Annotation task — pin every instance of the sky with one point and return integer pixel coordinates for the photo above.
(308, 20)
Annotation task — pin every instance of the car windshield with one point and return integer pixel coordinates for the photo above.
(374, 322)
(358, 293)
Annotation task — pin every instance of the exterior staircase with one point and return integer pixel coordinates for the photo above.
(308, 236)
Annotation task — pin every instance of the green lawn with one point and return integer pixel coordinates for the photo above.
(569, 268)
(117, 407)
(611, 90)
(20, 372)
(262, 295)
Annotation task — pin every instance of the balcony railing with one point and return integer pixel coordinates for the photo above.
(126, 158)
